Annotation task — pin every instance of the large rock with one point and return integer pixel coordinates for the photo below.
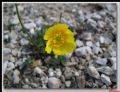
(101, 61)
(93, 72)
(106, 70)
(83, 51)
(105, 79)
(54, 82)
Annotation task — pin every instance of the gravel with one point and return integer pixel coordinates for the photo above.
(93, 64)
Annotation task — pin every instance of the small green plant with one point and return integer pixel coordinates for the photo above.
(60, 41)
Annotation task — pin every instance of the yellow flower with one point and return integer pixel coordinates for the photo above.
(60, 40)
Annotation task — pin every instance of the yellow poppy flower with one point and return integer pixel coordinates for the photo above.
(60, 39)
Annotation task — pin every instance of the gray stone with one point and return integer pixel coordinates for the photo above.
(93, 72)
(39, 71)
(76, 73)
(106, 70)
(51, 72)
(14, 20)
(101, 61)
(26, 86)
(114, 66)
(102, 39)
(68, 83)
(81, 51)
(12, 59)
(23, 42)
(96, 16)
(105, 79)
(79, 43)
(113, 60)
(30, 25)
(96, 50)
(58, 72)
(6, 51)
(80, 82)
(89, 43)
(27, 80)
(101, 24)
(14, 52)
(71, 62)
(68, 73)
(86, 36)
(16, 78)
(54, 82)
(5, 64)
(44, 80)
(34, 85)
(10, 66)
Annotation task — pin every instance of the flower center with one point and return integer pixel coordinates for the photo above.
(58, 38)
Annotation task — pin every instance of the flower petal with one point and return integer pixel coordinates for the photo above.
(48, 47)
(67, 48)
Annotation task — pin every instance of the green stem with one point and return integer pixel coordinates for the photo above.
(18, 15)
(60, 17)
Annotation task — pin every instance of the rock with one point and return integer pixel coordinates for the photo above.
(5, 64)
(19, 54)
(27, 80)
(105, 79)
(102, 39)
(93, 72)
(36, 63)
(96, 16)
(113, 77)
(106, 70)
(16, 78)
(83, 51)
(89, 43)
(104, 87)
(70, 63)
(10, 66)
(6, 38)
(14, 20)
(96, 50)
(6, 51)
(113, 60)
(101, 61)
(18, 63)
(68, 83)
(80, 82)
(86, 36)
(30, 25)
(32, 31)
(101, 24)
(114, 66)
(44, 80)
(23, 41)
(26, 86)
(62, 79)
(76, 74)
(54, 82)
(97, 44)
(44, 86)
(13, 35)
(14, 52)
(33, 85)
(79, 43)
(37, 70)
(51, 72)
(68, 73)
(58, 72)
